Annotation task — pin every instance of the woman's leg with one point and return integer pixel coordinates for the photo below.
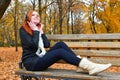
(62, 45)
(53, 56)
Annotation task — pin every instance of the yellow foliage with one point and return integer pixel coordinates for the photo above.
(111, 16)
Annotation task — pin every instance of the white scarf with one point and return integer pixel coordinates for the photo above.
(41, 50)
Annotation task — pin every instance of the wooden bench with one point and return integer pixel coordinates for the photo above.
(101, 48)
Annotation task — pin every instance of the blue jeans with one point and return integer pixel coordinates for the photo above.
(59, 51)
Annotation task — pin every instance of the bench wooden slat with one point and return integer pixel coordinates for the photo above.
(98, 53)
(115, 36)
(92, 44)
(70, 74)
(114, 62)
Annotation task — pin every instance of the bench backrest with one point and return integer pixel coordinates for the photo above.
(102, 48)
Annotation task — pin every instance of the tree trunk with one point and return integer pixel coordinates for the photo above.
(15, 25)
(93, 18)
(60, 14)
(3, 6)
(72, 23)
(40, 7)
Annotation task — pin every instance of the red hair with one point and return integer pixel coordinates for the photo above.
(25, 24)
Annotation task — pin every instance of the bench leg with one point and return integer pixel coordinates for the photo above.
(26, 78)
(30, 78)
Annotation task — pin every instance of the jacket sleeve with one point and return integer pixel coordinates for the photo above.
(45, 41)
(29, 41)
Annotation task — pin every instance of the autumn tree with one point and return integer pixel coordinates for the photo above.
(110, 16)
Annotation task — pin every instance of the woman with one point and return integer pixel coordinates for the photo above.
(35, 58)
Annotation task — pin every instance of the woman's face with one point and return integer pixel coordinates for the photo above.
(35, 18)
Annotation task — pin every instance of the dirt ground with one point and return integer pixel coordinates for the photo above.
(9, 59)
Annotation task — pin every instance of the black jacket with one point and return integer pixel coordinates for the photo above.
(30, 46)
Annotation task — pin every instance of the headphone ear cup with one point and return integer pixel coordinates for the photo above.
(27, 19)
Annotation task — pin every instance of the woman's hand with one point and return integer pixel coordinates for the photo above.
(32, 26)
(41, 29)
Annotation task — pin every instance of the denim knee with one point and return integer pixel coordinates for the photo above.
(61, 43)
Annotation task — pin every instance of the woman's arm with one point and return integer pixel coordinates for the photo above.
(45, 41)
(28, 40)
